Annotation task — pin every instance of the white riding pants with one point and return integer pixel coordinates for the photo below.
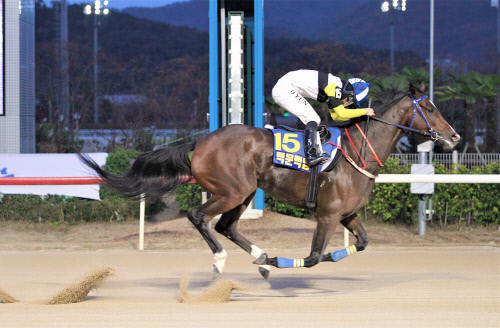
(287, 96)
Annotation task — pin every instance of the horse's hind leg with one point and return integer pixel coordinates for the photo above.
(200, 217)
(353, 224)
(227, 226)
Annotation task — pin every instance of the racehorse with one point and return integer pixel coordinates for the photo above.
(233, 161)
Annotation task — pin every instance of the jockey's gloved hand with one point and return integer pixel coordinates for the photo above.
(333, 102)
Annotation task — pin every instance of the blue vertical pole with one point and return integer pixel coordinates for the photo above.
(213, 94)
(259, 63)
(259, 79)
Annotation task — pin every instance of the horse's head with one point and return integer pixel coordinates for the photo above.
(424, 116)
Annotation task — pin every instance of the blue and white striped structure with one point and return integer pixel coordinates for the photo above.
(254, 21)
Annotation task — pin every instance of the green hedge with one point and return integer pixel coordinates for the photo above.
(59, 209)
(470, 202)
(478, 203)
(188, 196)
(71, 210)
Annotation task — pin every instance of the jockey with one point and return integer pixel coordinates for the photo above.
(291, 90)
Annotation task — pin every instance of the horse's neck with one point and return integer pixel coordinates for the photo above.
(383, 138)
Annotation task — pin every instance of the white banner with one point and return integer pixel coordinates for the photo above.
(47, 166)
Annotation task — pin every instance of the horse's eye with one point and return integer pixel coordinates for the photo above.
(431, 109)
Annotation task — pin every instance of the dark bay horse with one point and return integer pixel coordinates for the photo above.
(232, 162)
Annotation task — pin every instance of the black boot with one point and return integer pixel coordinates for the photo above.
(312, 157)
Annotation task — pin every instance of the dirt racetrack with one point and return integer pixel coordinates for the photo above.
(384, 286)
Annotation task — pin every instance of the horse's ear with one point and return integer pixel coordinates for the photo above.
(422, 87)
(414, 90)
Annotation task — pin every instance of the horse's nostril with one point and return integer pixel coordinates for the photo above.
(455, 137)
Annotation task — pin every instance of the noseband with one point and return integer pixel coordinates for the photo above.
(433, 135)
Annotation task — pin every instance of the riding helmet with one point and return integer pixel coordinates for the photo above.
(357, 88)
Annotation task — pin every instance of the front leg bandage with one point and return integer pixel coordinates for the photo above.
(290, 263)
(339, 255)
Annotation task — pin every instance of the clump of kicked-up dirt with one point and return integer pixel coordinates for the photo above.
(6, 297)
(217, 293)
(78, 291)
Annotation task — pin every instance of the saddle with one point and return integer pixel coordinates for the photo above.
(289, 152)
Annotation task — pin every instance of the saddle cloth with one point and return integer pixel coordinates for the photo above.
(289, 149)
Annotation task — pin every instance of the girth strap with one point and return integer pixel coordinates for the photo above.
(312, 189)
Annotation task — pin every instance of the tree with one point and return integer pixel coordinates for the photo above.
(466, 88)
(488, 85)
(421, 76)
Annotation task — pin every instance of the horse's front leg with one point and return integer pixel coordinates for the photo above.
(353, 224)
(325, 228)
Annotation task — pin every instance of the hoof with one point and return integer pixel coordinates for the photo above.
(215, 272)
(261, 259)
(264, 270)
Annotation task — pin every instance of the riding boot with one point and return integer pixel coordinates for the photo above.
(310, 137)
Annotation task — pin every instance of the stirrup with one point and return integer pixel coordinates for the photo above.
(317, 160)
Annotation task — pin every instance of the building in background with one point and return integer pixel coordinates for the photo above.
(17, 113)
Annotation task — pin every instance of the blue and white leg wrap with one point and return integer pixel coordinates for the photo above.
(339, 255)
(290, 263)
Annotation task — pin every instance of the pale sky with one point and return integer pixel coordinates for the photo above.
(121, 4)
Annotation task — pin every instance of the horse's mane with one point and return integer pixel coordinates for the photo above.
(385, 100)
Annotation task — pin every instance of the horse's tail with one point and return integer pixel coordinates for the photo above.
(153, 174)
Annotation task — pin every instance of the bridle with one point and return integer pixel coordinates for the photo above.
(433, 135)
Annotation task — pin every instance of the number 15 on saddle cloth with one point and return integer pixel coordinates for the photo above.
(289, 149)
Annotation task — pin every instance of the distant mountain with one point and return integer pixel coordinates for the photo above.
(279, 14)
(465, 30)
(192, 14)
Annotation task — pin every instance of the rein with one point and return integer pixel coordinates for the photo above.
(416, 106)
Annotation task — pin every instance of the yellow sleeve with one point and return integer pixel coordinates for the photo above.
(330, 90)
(340, 113)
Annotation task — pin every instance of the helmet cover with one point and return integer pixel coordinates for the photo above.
(356, 88)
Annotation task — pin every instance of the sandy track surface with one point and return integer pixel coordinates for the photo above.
(448, 278)
(380, 287)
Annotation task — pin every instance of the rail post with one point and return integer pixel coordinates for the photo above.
(142, 215)
(424, 191)
(454, 160)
